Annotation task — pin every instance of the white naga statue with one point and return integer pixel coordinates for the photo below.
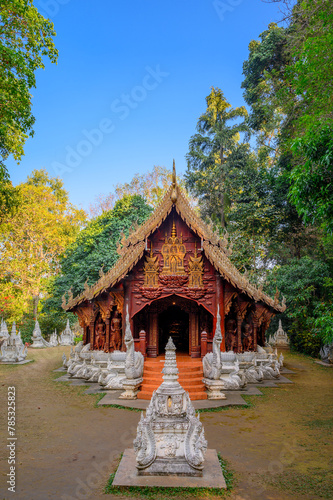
(37, 339)
(133, 365)
(12, 348)
(170, 438)
(67, 336)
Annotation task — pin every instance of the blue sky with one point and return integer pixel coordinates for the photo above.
(130, 84)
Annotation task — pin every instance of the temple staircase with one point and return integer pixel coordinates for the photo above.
(190, 376)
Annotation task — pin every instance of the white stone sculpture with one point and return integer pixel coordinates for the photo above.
(3, 330)
(112, 378)
(281, 359)
(38, 340)
(254, 374)
(212, 365)
(53, 339)
(133, 365)
(280, 338)
(326, 353)
(271, 371)
(235, 381)
(170, 438)
(12, 348)
(67, 336)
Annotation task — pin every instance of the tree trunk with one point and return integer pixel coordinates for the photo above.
(35, 301)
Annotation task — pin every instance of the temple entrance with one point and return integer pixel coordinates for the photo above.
(174, 322)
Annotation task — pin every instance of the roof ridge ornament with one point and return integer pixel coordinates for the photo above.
(174, 190)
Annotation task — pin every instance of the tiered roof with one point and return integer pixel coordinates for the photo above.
(134, 247)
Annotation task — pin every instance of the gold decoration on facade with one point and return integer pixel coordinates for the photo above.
(173, 252)
(195, 270)
(150, 270)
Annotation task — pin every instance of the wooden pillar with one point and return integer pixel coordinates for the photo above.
(255, 334)
(142, 344)
(203, 343)
(220, 303)
(107, 332)
(153, 335)
(92, 333)
(239, 332)
(127, 304)
(194, 333)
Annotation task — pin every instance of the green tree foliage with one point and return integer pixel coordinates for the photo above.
(32, 241)
(94, 249)
(214, 154)
(25, 39)
(308, 289)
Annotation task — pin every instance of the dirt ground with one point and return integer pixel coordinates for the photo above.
(280, 448)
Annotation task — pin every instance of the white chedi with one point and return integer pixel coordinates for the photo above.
(170, 438)
(38, 340)
(53, 339)
(67, 336)
(279, 338)
(12, 348)
(3, 330)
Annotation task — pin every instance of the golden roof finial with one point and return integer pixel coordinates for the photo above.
(151, 248)
(173, 230)
(174, 190)
(195, 250)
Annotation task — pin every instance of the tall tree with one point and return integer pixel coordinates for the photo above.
(213, 153)
(25, 39)
(34, 238)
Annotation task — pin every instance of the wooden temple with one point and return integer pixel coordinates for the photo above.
(174, 275)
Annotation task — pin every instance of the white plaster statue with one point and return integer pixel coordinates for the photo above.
(38, 340)
(235, 381)
(3, 330)
(12, 348)
(280, 338)
(67, 336)
(212, 364)
(53, 339)
(170, 438)
(133, 365)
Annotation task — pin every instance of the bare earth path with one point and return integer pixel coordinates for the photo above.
(280, 449)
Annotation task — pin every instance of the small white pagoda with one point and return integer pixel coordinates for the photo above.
(12, 349)
(67, 336)
(38, 340)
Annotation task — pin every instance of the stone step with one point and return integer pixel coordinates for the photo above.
(182, 380)
(188, 368)
(194, 396)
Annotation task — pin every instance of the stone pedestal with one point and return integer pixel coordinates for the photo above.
(131, 388)
(170, 438)
(214, 388)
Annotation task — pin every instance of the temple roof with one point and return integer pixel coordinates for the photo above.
(134, 246)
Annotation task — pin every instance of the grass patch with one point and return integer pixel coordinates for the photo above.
(318, 483)
(324, 424)
(160, 493)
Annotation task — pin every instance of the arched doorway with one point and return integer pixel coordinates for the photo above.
(174, 322)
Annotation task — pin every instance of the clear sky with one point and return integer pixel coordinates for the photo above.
(130, 84)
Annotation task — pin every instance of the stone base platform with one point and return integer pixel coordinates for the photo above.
(322, 363)
(212, 477)
(233, 398)
(16, 362)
